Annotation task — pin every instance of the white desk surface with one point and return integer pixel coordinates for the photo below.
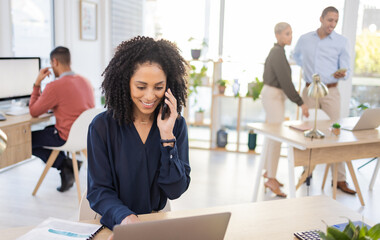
(282, 132)
(13, 120)
(277, 219)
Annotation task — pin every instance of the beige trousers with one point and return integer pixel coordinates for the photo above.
(330, 104)
(273, 100)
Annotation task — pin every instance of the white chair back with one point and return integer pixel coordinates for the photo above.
(85, 211)
(77, 139)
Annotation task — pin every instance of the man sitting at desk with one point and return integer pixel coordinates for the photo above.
(68, 96)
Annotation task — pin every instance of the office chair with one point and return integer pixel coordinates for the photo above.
(76, 142)
(374, 174)
(85, 211)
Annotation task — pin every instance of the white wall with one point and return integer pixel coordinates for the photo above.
(350, 21)
(89, 58)
(5, 29)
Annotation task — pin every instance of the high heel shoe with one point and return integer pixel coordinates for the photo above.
(265, 175)
(274, 187)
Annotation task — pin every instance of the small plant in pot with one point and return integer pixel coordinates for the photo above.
(254, 89)
(335, 128)
(222, 84)
(199, 115)
(196, 48)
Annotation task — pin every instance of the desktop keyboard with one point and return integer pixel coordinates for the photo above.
(2, 117)
(308, 235)
(18, 111)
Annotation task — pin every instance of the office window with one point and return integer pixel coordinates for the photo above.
(180, 20)
(32, 25)
(126, 20)
(366, 79)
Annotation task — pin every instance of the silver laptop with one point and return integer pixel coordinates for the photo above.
(208, 227)
(370, 119)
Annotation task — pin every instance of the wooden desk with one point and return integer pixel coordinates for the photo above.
(261, 220)
(19, 146)
(302, 151)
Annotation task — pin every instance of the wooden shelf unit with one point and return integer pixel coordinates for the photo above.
(213, 122)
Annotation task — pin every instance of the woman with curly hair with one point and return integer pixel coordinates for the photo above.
(138, 158)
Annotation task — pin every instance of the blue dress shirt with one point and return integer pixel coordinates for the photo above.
(126, 176)
(322, 56)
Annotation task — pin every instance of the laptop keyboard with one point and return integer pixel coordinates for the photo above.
(308, 235)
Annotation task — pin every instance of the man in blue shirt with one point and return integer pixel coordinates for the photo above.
(326, 53)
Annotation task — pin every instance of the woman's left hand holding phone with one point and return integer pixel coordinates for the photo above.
(166, 126)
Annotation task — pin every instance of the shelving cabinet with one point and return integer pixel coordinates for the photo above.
(204, 135)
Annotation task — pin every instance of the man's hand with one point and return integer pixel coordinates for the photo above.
(305, 110)
(44, 72)
(128, 220)
(341, 73)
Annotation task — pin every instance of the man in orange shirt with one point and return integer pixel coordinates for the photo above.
(68, 96)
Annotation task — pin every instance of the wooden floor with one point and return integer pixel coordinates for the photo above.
(217, 178)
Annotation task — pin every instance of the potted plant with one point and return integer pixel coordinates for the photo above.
(352, 233)
(254, 89)
(195, 79)
(222, 84)
(335, 128)
(196, 48)
(199, 115)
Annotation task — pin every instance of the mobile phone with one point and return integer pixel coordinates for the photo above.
(340, 70)
(165, 107)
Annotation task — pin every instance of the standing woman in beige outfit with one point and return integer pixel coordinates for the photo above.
(277, 87)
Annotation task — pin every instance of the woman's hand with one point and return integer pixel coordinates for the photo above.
(128, 220)
(166, 126)
(305, 110)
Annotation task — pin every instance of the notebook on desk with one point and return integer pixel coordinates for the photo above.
(370, 119)
(209, 226)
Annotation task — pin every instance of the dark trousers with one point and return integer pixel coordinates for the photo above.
(47, 137)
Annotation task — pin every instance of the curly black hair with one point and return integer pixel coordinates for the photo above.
(136, 51)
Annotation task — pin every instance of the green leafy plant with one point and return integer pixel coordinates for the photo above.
(255, 89)
(351, 232)
(367, 54)
(197, 44)
(363, 106)
(200, 110)
(195, 78)
(222, 82)
(336, 125)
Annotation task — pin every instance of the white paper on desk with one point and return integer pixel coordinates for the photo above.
(58, 229)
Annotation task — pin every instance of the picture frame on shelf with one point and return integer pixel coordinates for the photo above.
(88, 20)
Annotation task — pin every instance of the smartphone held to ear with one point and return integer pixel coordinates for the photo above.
(165, 109)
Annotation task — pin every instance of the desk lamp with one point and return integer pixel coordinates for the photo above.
(316, 90)
(3, 141)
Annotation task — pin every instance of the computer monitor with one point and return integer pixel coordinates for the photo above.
(17, 76)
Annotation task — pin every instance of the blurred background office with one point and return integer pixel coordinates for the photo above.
(235, 37)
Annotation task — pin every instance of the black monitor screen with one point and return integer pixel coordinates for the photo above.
(17, 76)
